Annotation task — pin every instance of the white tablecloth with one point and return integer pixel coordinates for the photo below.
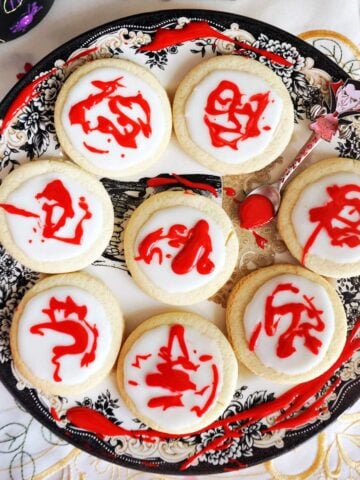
(335, 26)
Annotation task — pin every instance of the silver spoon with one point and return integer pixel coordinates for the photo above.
(273, 190)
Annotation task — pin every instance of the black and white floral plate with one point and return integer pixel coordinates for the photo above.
(27, 113)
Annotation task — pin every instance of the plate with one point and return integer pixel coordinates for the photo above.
(242, 437)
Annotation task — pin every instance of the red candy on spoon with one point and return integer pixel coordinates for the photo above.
(255, 211)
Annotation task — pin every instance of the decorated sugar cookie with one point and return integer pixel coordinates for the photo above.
(177, 372)
(180, 248)
(54, 217)
(66, 333)
(286, 323)
(233, 114)
(113, 118)
(319, 217)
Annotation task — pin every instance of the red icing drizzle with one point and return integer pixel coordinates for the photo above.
(254, 211)
(31, 91)
(54, 414)
(133, 383)
(84, 335)
(255, 336)
(94, 149)
(160, 181)
(55, 196)
(136, 363)
(298, 326)
(230, 192)
(126, 129)
(173, 375)
(17, 211)
(290, 403)
(165, 38)
(194, 244)
(226, 102)
(260, 241)
(329, 215)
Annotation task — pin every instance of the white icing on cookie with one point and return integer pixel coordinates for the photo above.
(162, 274)
(200, 371)
(266, 347)
(248, 85)
(38, 351)
(29, 233)
(316, 195)
(122, 116)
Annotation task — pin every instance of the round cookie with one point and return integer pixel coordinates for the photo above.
(113, 118)
(286, 323)
(180, 248)
(66, 333)
(177, 372)
(233, 114)
(319, 217)
(54, 217)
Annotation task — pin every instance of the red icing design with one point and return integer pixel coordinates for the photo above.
(260, 241)
(305, 318)
(54, 414)
(194, 244)
(71, 322)
(133, 383)
(27, 67)
(17, 211)
(165, 38)
(126, 129)
(136, 363)
(255, 210)
(55, 197)
(291, 404)
(94, 149)
(173, 374)
(255, 336)
(160, 181)
(331, 214)
(230, 192)
(224, 106)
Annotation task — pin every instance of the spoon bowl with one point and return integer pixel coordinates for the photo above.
(272, 192)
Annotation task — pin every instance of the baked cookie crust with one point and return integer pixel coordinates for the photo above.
(166, 200)
(316, 172)
(229, 370)
(281, 136)
(242, 295)
(104, 296)
(145, 76)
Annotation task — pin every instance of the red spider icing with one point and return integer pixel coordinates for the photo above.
(84, 335)
(174, 178)
(299, 327)
(224, 106)
(255, 210)
(55, 197)
(291, 404)
(32, 91)
(195, 248)
(126, 129)
(173, 374)
(165, 38)
(331, 214)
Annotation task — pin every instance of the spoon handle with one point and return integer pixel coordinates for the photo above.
(308, 147)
